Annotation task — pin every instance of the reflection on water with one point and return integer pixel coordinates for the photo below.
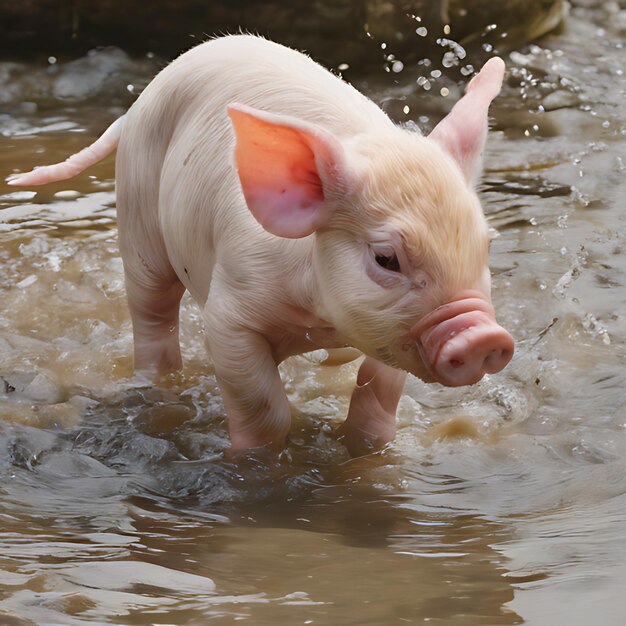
(500, 504)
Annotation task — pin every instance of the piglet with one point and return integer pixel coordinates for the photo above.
(300, 217)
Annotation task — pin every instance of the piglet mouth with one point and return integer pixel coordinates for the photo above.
(460, 341)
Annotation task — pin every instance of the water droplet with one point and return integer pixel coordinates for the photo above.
(397, 67)
(342, 67)
(444, 91)
(67, 194)
(449, 59)
(422, 31)
(447, 29)
(52, 60)
(27, 282)
(406, 109)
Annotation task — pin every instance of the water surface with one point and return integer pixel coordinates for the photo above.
(504, 503)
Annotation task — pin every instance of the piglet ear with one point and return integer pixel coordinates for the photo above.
(463, 132)
(287, 169)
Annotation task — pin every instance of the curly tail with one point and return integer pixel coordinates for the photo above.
(102, 147)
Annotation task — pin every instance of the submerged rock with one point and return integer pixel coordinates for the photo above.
(560, 99)
(36, 387)
(43, 389)
(10, 619)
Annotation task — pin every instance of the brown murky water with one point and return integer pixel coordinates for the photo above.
(504, 503)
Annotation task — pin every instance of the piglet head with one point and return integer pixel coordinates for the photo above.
(460, 340)
(399, 237)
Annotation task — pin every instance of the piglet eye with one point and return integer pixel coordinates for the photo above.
(389, 262)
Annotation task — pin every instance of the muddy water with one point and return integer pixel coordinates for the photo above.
(500, 504)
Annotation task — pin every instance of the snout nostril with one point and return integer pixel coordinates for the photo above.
(503, 353)
(456, 363)
(497, 359)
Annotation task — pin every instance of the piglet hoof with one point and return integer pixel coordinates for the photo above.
(267, 455)
(367, 437)
(243, 446)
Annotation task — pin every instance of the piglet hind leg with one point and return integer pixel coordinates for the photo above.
(154, 304)
(371, 421)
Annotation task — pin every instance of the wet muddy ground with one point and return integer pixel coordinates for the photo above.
(504, 503)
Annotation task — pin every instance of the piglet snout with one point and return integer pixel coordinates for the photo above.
(479, 347)
(461, 341)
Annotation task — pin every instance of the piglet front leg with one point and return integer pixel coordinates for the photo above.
(371, 421)
(253, 393)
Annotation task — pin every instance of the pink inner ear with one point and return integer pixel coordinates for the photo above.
(278, 169)
(463, 132)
